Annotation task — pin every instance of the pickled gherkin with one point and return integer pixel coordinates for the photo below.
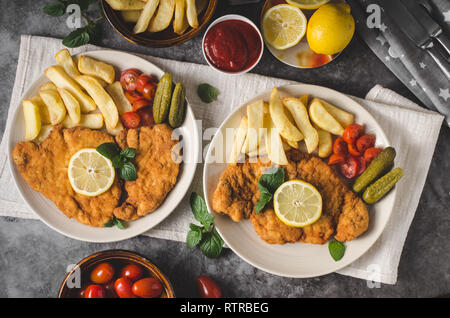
(177, 106)
(163, 95)
(379, 188)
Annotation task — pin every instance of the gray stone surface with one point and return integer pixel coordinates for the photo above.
(33, 258)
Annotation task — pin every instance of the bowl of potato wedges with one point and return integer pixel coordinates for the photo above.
(158, 23)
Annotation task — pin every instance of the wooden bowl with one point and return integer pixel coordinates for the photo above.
(118, 258)
(164, 38)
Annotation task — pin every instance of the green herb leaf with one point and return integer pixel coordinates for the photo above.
(77, 38)
(118, 162)
(272, 179)
(194, 236)
(128, 153)
(200, 211)
(337, 250)
(55, 9)
(264, 197)
(108, 150)
(109, 223)
(84, 4)
(211, 244)
(128, 172)
(207, 93)
(115, 222)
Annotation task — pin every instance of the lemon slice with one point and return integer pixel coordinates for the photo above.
(90, 173)
(297, 203)
(307, 4)
(283, 26)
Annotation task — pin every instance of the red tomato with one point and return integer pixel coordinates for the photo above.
(353, 151)
(142, 81)
(365, 142)
(350, 168)
(128, 79)
(149, 91)
(140, 103)
(132, 272)
(110, 290)
(208, 288)
(371, 153)
(95, 291)
(340, 146)
(352, 132)
(123, 288)
(361, 164)
(82, 292)
(102, 273)
(336, 159)
(130, 120)
(146, 115)
(149, 287)
(133, 96)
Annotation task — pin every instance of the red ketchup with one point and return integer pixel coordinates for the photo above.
(232, 45)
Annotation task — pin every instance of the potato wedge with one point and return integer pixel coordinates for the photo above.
(281, 120)
(325, 142)
(61, 79)
(104, 102)
(262, 151)
(116, 130)
(163, 16)
(126, 4)
(180, 17)
(55, 105)
(145, 17)
(301, 118)
(92, 121)
(72, 105)
(255, 114)
(43, 110)
(89, 66)
(32, 119)
(324, 119)
(100, 81)
(343, 117)
(43, 134)
(131, 16)
(305, 99)
(64, 59)
(115, 90)
(191, 13)
(274, 145)
(48, 86)
(238, 142)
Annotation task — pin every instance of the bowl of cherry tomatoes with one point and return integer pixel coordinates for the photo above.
(115, 274)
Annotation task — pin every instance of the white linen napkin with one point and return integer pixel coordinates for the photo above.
(409, 127)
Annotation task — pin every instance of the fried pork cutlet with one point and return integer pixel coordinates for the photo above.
(44, 168)
(343, 212)
(157, 169)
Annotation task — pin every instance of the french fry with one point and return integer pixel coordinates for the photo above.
(325, 142)
(163, 16)
(43, 134)
(255, 114)
(300, 114)
(146, 15)
(48, 86)
(43, 110)
(274, 145)
(32, 119)
(126, 4)
(262, 151)
(191, 13)
(115, 90)
(64, 59)
(131, 16)
(180, 17)
(104, 102)
(343, 117)
(61, 79)
(102, 83)
(238, 141)
(72, 105)
(322, 118)
(55, 105)
(89, 66)
(92, 121)
(305, 99)
(116, 130)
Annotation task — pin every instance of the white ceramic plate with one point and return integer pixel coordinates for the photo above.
(54, 218)
(295, 259)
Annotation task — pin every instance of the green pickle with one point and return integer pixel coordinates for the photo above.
(380, 164)
(161, 102)
(176, 111)
(379, 188)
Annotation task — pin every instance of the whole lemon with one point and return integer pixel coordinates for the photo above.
(330, 28)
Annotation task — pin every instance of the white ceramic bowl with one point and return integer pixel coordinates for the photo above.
(240, 18)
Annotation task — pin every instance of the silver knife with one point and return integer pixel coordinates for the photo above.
(420, 11)
(408, 24)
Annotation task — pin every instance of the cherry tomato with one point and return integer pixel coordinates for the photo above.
(140, 103)
(141, 81)
(361, 164)
(208, 288)
(123, 288)
(146, 115)
(340, 146)
(149, 91)
(128, 79)
(82, 292)
(364, 142)
(336, 159)
(371, 153)
(149, 287)
(102, 273)
(110, 291)
(352, 132)
(132, 272)
(130, 120)
(350, 168)
(95, 291)
(353, 151)
(133, 96)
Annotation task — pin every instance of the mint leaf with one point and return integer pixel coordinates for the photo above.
(55, 9)
(207, 93)
(272, 179)
(264, 197)
(108, 150)
(211, 244)
(77, 38)
(194, 236)
(128, 153)
(128, 172)
(115, 222)
(337, 250)
(200, 211)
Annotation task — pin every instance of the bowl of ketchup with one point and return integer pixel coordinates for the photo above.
(232, 44)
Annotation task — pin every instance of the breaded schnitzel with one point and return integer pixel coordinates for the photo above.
(44, 168)
(157, 169)
(342, 212)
